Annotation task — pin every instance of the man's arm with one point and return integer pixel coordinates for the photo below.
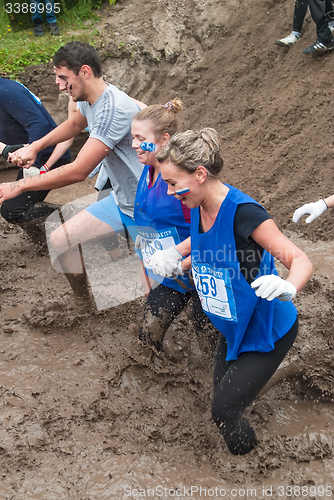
(62, 147)
(90, 155)
(26, 156)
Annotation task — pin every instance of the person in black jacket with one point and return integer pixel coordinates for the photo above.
(23, 120)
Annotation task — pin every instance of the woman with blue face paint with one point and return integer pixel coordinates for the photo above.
(162, 222)
(233, 244)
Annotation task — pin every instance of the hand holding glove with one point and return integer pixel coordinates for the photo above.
(166, 262)
(314, 209)
(271, 286)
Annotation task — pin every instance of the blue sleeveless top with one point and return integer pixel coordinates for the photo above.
(248, 322)
(161, 224)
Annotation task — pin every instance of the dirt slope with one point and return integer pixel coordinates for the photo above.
(270, 104)
(85, 410)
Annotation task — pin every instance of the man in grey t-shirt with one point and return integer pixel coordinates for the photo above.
(108, 112)
(109, 121)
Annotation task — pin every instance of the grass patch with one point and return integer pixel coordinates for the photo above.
(20, 48)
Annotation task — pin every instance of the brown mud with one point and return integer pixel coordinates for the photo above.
(86, 411)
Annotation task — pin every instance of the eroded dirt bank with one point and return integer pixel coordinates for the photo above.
(87, 413)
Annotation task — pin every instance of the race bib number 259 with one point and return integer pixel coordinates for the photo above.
(215, 291)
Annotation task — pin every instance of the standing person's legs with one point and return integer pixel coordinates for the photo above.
(50, 12)
(299, 15)
(329, 12)
(300, 10)
(36, 8)
(51, 18)
(319, 16)
(236, 384)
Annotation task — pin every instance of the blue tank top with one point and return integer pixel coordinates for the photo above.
(161, 225)
(248, 322)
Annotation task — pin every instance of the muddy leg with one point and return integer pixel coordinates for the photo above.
(163, 305)
(35, 227)
(35, 231)
(79, 284)
(65, 243)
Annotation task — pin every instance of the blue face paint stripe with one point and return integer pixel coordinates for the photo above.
(148, 146)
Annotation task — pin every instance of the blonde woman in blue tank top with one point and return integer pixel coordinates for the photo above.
(233, 242)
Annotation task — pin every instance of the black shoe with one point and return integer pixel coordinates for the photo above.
(38, 30)
(54, 30)
(319, 48)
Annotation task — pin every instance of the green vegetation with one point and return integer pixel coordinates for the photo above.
(20, 48)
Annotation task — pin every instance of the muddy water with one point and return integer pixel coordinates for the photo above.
(54, 378)
(86, 413)
(320, 253)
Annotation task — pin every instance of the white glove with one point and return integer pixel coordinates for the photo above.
(315, 209)
(166, 262)
(271, 286)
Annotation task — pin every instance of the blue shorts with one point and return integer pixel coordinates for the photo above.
(108, 211)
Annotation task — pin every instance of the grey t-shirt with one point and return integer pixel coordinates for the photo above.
(109, 120)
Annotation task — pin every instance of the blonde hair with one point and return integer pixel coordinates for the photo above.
(188, 150)
(163, 116)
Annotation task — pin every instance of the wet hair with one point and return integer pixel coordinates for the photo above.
(188, 150)
(163, 117)
(76, 54)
